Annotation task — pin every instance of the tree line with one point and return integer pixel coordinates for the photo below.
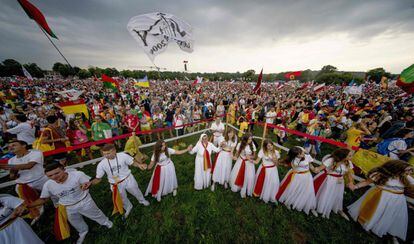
(328, 74)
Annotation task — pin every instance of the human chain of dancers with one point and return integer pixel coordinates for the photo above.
(381, 210)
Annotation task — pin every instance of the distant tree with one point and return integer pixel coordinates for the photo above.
(34, 70)
(377, 74)
(84, 73)
(12, 67)
(249, 75)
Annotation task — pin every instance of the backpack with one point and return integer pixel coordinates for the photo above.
(382, 147)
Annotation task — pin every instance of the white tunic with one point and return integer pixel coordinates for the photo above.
(117, 168)
(391, 214)
(202, 177)
(18, 231)
(271, 182)
(330, 194)
(247, 188)
(300, 193)
(222, 168)
(168, 178)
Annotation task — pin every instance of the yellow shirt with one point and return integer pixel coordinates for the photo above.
(353, 137)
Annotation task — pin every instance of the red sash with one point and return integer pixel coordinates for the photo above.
(206, 156)
(240, 175)
(215, 162)
(258, 188)
(287, 181)
(320, 179)
(156, 180)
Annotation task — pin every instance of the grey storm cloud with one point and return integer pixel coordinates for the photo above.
(93, 32)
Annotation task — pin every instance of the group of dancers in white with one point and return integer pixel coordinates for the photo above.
(381, 210)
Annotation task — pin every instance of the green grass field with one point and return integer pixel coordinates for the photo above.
(209, 217)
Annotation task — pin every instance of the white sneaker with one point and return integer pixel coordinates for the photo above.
(288, 207)
(145, 203)
(243, 195)
(395, 240)
(226, 185)
(213, 187)
(109, 224)
(314, 213)
(175, 192)
(343, 215)
(128, 211)
(81, 237)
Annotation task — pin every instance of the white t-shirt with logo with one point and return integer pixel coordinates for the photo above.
(33, 174)
(25, 132)
(119, 165)
(68, 192)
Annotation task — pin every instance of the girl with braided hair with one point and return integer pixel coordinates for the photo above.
(383, 208)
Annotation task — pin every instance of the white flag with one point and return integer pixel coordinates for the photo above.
(71, 94)
(27, 74)
(154, 31)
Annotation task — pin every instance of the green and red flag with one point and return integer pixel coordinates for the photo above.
(110, 83)
(406, 80)
(35, 14)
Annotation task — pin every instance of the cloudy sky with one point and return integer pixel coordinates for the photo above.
(229, 35)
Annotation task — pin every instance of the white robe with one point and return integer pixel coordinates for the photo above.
(202, 178)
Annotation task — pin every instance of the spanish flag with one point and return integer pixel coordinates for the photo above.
(73, 107)
(61, 226)
(117, 200)
(143, 82)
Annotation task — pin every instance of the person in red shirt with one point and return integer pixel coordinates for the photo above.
(131, 121)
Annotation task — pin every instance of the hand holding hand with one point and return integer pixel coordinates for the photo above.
(85, 186)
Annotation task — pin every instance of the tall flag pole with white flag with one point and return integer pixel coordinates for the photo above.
(27, 74)
(154, 31)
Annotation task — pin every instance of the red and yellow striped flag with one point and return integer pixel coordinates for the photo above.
(117, 200)
(61, 227)
(73, 107)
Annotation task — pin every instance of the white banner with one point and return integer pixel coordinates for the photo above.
(71, 94)
(26, 73)
(154, 31)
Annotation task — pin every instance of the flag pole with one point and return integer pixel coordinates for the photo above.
(61, 54)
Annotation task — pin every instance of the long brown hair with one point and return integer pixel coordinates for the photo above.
(339, 155)
(291, 155)
(264, 148)
(243, 143)
(157, 150)
(226, 135)
(390, 169)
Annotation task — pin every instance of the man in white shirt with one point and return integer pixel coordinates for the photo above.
(24, 130)
(27, 169)
(217, 128)
(116, 167)
(73, 197)
(270, 116)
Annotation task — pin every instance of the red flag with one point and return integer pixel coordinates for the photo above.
(293, 75)
(199, 80)
(199, 90)
(35, 14)
(258, 84)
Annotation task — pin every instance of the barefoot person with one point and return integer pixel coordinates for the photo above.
(73, 198)
(116, 167)
(163, 180)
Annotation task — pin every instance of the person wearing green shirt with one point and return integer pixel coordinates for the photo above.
(98, 127)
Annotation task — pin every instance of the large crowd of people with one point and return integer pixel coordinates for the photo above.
(376, 119)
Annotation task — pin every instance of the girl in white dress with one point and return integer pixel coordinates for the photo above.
(222, 165)
(329, 184)
(243, 172)
(14, 229)
(296, 189)
(267, 176)
(383, 208)
(203, 162)
(163, 180)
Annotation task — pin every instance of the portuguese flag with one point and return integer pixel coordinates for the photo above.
(110, 83)
(35, 14)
